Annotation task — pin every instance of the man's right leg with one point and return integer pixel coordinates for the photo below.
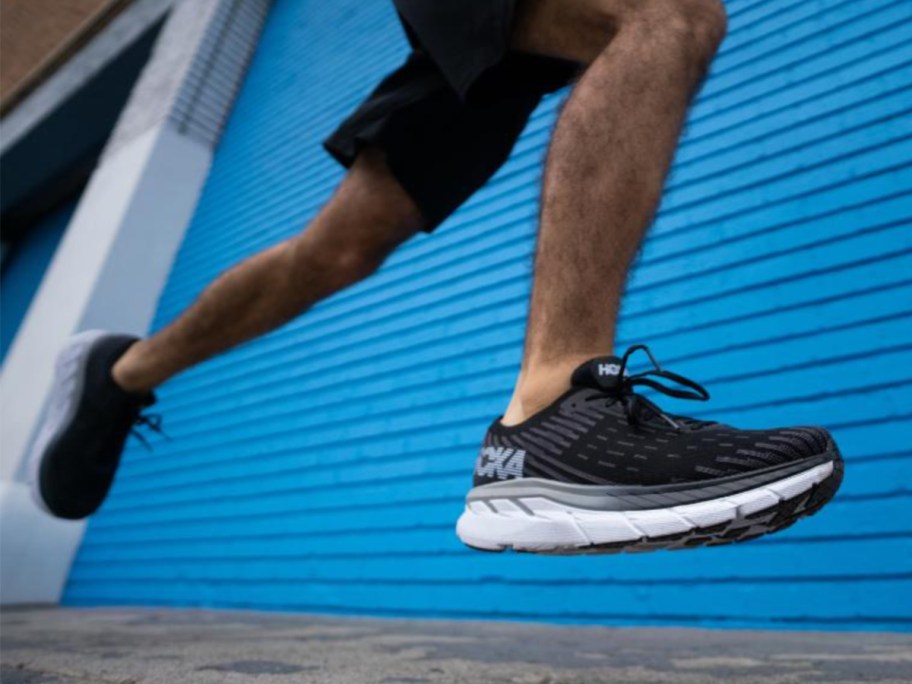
(582, 461)
(367, 218)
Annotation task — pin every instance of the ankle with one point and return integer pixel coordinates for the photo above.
(539, 384)
(127, 374)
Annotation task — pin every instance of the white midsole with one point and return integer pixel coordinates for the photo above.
(539, 524)
(65, 391)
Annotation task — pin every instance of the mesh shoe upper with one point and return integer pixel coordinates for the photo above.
(601, 432)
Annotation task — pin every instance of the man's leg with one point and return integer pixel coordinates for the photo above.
(601, 469)
(367, 218)
(612, 148)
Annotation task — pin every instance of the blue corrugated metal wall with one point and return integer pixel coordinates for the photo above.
(779, 272)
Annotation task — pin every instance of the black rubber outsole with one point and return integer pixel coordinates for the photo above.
(766, 521)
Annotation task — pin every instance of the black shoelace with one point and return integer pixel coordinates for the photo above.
(151, 421)
(639, 408)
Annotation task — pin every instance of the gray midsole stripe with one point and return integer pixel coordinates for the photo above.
(626, 498)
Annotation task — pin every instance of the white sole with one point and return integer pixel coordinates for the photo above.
(66, 391)
(541, 525)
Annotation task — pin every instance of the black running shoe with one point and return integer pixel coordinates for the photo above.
(603, 470)
(77, 451)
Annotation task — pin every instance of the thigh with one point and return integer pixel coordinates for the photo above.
(576, 30)
(370, 207)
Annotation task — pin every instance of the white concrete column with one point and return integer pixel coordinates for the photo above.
(116, 255)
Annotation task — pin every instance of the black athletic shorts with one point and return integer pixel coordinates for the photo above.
(448, 118)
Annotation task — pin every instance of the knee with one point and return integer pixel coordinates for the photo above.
(368, 217)
(339, 262)
(337, 256)
(581, 30)
(697, 25)
(356, 261)
(695, 28)
(703, 23)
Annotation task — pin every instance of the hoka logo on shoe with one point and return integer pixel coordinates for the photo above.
(500, 463)
(609, 369)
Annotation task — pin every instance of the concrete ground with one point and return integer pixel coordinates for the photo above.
(137, 646)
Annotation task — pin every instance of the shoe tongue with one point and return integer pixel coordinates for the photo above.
(601, 373)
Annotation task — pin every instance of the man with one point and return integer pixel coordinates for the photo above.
(579, 462)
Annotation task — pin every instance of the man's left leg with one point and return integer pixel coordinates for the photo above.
(104, 380)
(368, 216)
(416, 152)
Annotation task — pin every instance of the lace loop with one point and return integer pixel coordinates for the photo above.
(635, 405)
